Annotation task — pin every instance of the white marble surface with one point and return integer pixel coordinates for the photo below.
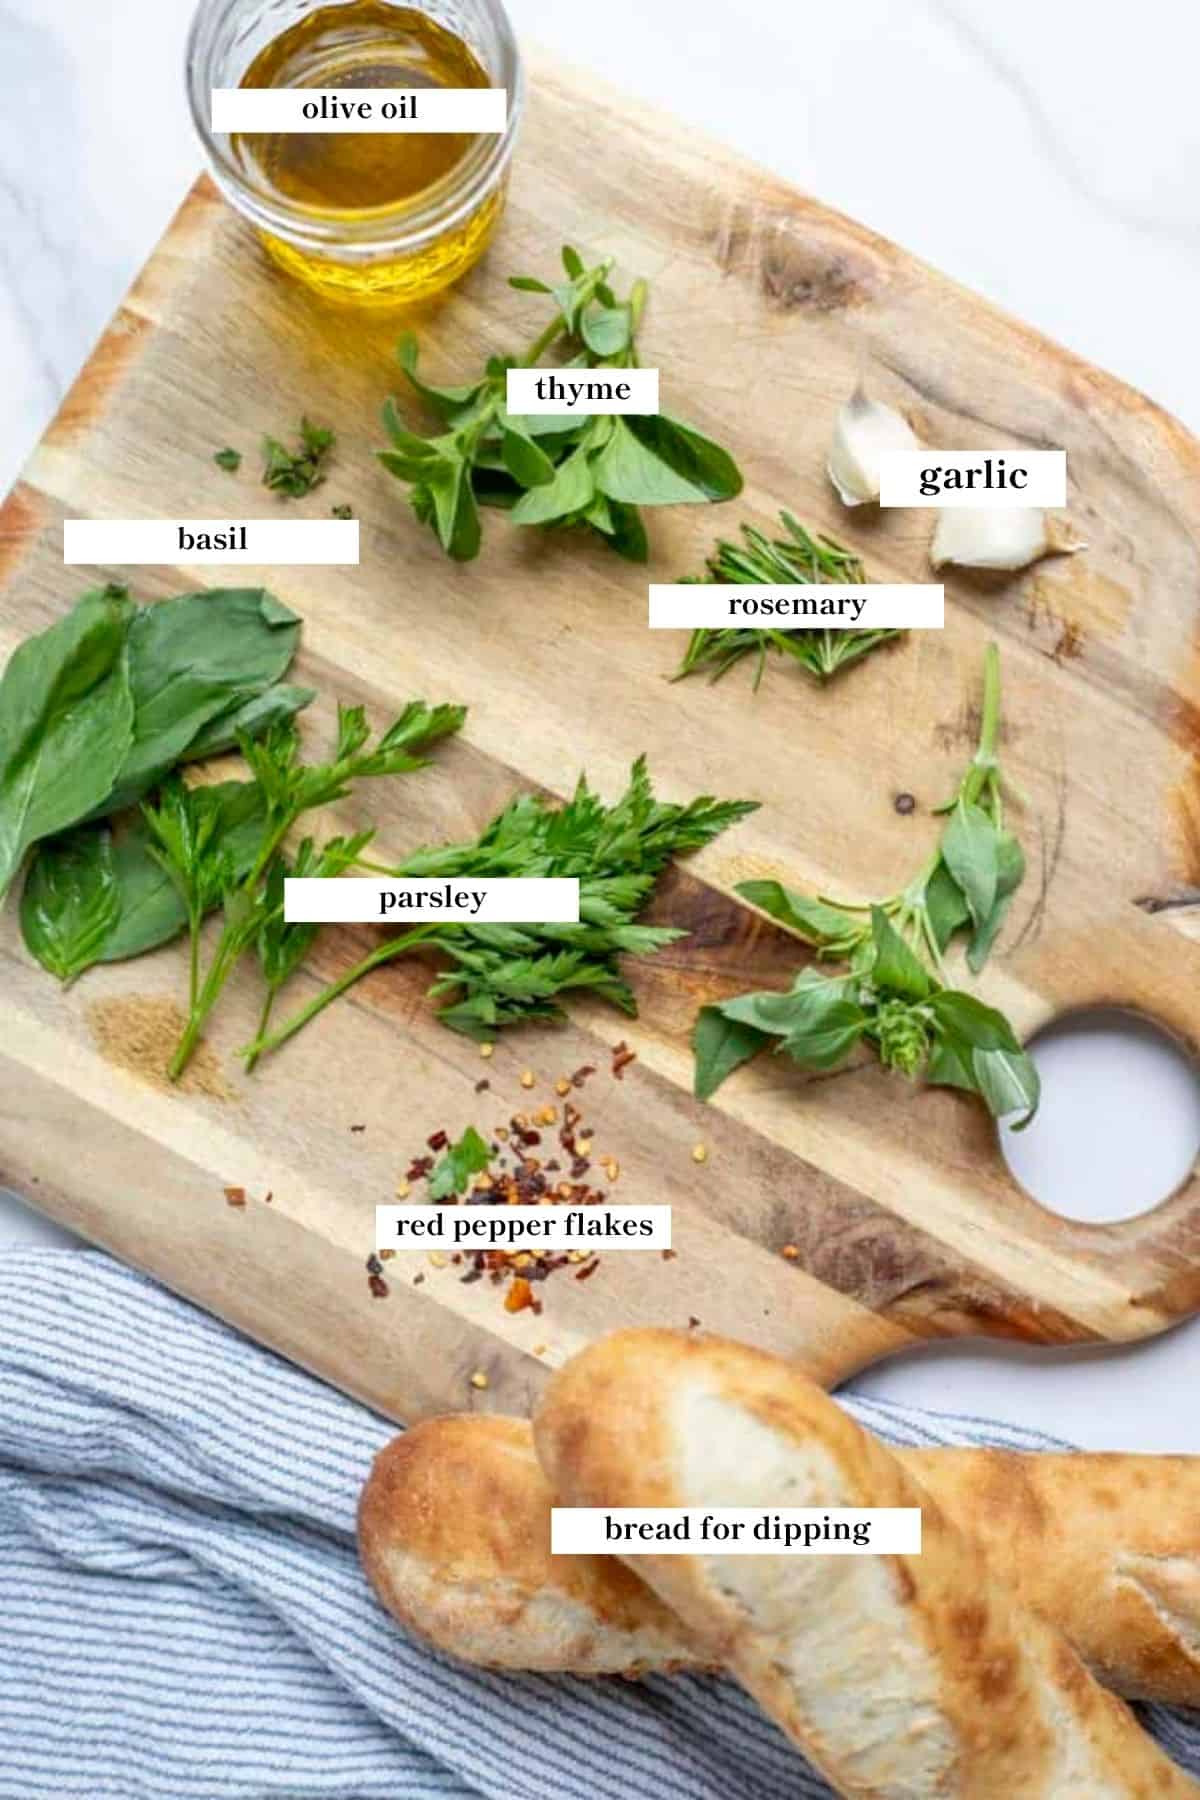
(1048, 156)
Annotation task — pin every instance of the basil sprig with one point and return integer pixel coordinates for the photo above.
(894, 994)
(553, 470)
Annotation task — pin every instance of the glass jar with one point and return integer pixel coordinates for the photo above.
(382, 255)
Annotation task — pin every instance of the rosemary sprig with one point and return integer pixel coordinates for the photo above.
(799, 560)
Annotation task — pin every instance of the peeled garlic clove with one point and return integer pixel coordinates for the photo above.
(863, 430)
(998, 537)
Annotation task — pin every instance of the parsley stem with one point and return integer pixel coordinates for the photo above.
(264, 1019)
(382, 953)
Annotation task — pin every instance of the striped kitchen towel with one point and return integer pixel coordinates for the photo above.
(182, 1615)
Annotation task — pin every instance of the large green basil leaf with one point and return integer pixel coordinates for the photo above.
(191, 660)
(811, 919)
(970, 852)
(896, 969)
(66, 724)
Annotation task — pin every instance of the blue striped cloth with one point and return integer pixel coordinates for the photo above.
(182, 1615)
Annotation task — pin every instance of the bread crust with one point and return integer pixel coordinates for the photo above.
(901, 1677)
(1105, 1547)
(456, 1545)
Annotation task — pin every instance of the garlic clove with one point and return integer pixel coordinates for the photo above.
(862, 431)
(998, 537)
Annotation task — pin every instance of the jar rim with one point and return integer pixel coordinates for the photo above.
(395, 227)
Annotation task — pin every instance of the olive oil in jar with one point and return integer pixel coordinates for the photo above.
(350, 179)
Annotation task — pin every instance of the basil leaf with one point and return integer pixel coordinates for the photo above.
(249, 718)
(1008, 1081)
(945, 905)
(813, 1003)
(1010, 872)
(70, 902)
(829, 1041)
(570, 491)
(66, 724)
(950, 1065)
(653, 461)
(721, 1045)
(812, 920)
(969, 849)
(524, 460)
(191, 660)
(896, 969)
(964, 1017)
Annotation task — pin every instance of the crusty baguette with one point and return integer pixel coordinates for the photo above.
(1107, 1548)
(901, 1677)
(456, 1545)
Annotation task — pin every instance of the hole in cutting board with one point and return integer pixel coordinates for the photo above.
(1118, 1129)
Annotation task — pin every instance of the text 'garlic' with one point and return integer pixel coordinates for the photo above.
(863, 431)
(998, 537)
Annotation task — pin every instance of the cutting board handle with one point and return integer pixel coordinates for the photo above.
(1138, 963)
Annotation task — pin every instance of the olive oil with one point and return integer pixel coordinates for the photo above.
(356, 178)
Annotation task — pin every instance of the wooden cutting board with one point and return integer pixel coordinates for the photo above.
(764, 307)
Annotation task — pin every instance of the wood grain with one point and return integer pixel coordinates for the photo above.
(764, 307)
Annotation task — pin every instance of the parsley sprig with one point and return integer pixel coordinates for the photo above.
(894, 994)
(187, 843)
(503, 975)
(553, 470)
(799, 560)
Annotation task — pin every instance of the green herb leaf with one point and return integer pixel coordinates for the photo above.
(230, 460)
(815, 921)
(294, 473)
(66, 724)
(1010, 872)
(969, 850)
(70, 902)
(196, 664)
(525, 461)
(945, 904)
(721, 1045)
(469, 1156)
(896, 969)
(654, 461)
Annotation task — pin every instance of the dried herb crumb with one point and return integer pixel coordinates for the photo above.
(228, 459)
(358, 1128)
(296, 473)
(341, 511)
(235, 1196)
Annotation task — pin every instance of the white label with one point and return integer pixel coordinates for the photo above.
(735, 1530)
(877, 606)
(436, 109)
(487, 900)
(973, 478)
(258, 541)
(491, 1226)
(583, 391)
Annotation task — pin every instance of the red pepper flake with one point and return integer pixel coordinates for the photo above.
(668, 1255)
(481, 1087)
(588, 1269)
(374, 1266)
(438, 1141)
(519, 1295)
(622, 1056)
(379, 1287)
(235, 1196)
(582, 1074)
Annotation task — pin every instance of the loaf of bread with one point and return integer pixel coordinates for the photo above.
(899, 1676)
(1107, 1548)
(454, 1535)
